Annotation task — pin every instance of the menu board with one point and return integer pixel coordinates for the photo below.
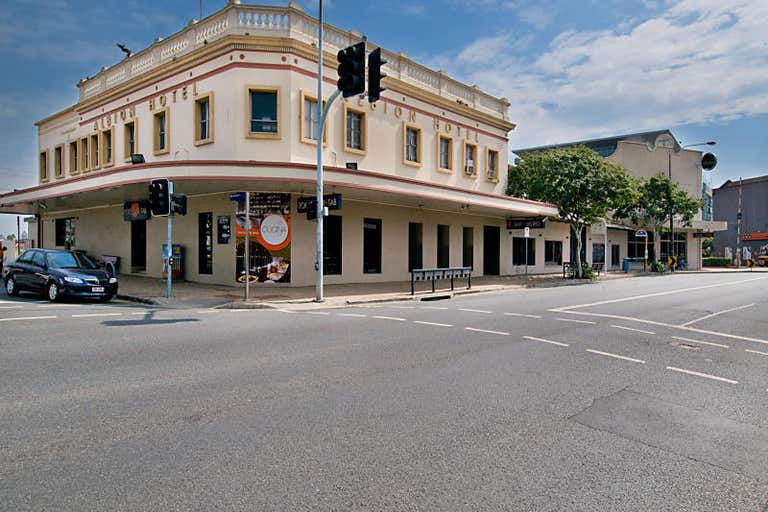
(269, 238)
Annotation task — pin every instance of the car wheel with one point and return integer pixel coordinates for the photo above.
(53, 292)
(10, 286)
(106, 298)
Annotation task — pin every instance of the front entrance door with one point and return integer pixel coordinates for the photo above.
(491, 250)
(615, 256)
(138, 246)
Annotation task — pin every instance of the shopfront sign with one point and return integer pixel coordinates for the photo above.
(135, 211)
(309, 204)
(269, 238)
(533, 223)
(224, 231)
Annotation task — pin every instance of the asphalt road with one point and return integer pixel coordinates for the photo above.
(645, 394)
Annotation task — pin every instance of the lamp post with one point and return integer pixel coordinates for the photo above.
(672, 251)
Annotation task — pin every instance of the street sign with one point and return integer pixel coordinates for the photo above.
(704, 234)
(750, 263)
(672, 261)
(641, 233)
(308, 205)
(237, 196)
(527, 232)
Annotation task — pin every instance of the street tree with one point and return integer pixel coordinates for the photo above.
(658, 198)
(583, 185)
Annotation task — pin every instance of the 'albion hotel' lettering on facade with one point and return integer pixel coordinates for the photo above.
(227, 105)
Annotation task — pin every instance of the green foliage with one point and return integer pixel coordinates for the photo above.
(706, 245)
(716, 262)
(587, 272)
(658, 266)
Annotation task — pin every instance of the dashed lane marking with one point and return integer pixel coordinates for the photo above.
(90, 315)
(701, 342)
(395, 318)
(523, 315)
(542, 340)
(616, 356)
(573, 320)
(18, 318)
(704, 375)
(353, 315)
(486, 331)
(468, 310)
(289, 311)
(441, 308)
(11, 307)
(436, 324)
(404, 307)
(318, 313)
(705, 317)
(208, 311)
(633, 329)
(756, 352)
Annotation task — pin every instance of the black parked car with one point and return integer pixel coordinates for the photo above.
(57, 274)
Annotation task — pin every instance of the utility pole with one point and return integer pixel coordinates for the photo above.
(672, 246)
(319, 190)
(169, 274)
(739, 216)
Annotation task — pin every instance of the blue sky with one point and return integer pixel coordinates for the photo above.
(571, 69)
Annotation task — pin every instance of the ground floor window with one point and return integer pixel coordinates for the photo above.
(371, 246)
(521, 256)
(553, 252)
(205, 243)
(680, 247)
(443, 246)
(65, 232)
(332, 245)
(468, 247)
(415, 245)
(598, 253)
(636, 246)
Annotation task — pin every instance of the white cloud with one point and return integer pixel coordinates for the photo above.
(700, 61)
(413, 9)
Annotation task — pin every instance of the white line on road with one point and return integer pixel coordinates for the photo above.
(542, 340)
(318, 313)
(617, 356)
(522, 315)
(142, 312)
(11, 307)
(702, 342)
(404, 307)
(476, 311)
(354, 315)
(756, 352)
(436, 324)
(731, 310)
(434, 307)
(396, 319)
(285, 311)
(27, 318)
(632, 329)
(500, 333)
(705, 375)
(89, 315)
(208, 311)
(573, 320)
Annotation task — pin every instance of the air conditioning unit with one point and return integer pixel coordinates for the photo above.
(470, 168)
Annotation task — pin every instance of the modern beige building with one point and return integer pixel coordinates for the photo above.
(645, 155)
(226, 105)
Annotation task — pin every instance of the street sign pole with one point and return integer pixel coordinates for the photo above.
(247, 263)
(527, 234)
(319, 191)
(645, 259)
(169, 261)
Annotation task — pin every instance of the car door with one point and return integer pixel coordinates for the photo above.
(21, 269)
(38, 276)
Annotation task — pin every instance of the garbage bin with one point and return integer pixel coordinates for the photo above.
(626, 265)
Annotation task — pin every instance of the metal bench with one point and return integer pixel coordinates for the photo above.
(433, 274)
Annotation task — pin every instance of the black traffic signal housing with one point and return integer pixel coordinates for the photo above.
(179, 204)
(375, 63)
(160, 197)
(352, 70)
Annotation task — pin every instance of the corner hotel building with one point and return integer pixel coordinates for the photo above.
(226, 105)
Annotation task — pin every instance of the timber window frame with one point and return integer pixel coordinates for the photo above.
(58, 161)
(412, 145)
(132, 125)
(204, 125)
(107, 150)
(84, 155)
(465, 160)
(439, 154)
(249, 120)
(363, 129)
(491, 165)
(161, 132)
(43, 173)
(74, 158)
(308, 114)
(93, 151)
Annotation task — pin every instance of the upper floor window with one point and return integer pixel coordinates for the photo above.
(84, 155)
(44, 165)
(204, 119)
(58, 161)
(308, 112)
(354, 130)
(74, 162)
(264, 108)
(107, 149)
(492, 163)
(162, 133)
(411, 145)
(93, 148)
(445, 153)
(470, 159)
(129, 140)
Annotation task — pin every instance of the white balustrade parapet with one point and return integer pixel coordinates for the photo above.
(290, 22)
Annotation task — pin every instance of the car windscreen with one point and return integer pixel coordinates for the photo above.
(69, 260)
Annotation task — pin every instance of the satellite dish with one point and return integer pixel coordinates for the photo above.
(708, 161)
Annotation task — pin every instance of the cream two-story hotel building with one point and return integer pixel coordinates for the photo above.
(226, 105)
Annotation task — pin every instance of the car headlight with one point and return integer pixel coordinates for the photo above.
(112, 280)
(75, 280)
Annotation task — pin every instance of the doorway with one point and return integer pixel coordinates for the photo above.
(139, 246)
(615, 256)
(491, 250)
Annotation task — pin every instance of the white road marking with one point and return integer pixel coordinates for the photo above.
(701, 342)
(522, 315)
(476, 311)
(318, 313)
(27, 318)
(404, 307)
(61, 305)
(433, 307)
(756, 352)
(657, 294)
(705, 375)
(396, 319)
(89, 315)
(353, 315)
(500, 333)
(573, 320)
(11, 307)
(731, 310)
(631, 329)
(542, 340)
(285, 311)
(142, 312)
(432, 323)
(724, 335)
(208, 311)
(617, 356)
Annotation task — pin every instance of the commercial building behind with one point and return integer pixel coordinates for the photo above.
(754, 217)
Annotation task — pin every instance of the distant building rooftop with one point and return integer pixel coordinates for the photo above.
(606, 146)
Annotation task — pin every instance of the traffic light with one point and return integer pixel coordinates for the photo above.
(179, 204)
(352, 70)
(159, 197)
(375, 62)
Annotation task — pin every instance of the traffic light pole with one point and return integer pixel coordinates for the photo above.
(169, 261)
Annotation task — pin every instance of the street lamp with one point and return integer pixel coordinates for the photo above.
(672, 251)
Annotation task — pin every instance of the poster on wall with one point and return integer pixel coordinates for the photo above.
(269, 238)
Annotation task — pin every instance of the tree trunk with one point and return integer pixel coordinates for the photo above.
(576, 231)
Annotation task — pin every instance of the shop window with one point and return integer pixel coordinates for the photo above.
(415, 245)
(84, 155)
(470, 159)
(74, 161)
(636, 246)
(519, 254)
(372, 246)
(58, 161)
(598, 253)
(162, 133)
(204, 119)
(468, 247)
(43, 163)
(129, 140)
(264, 113)
(205, 243)
(354, 130)
(65, 232)
(553, 252)
(93, 150)
(332, 245)
(411, 145)
(443, 246)
(492, 165)
(308, 115)
(107, 147)
(444, 153)
(680, 247)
